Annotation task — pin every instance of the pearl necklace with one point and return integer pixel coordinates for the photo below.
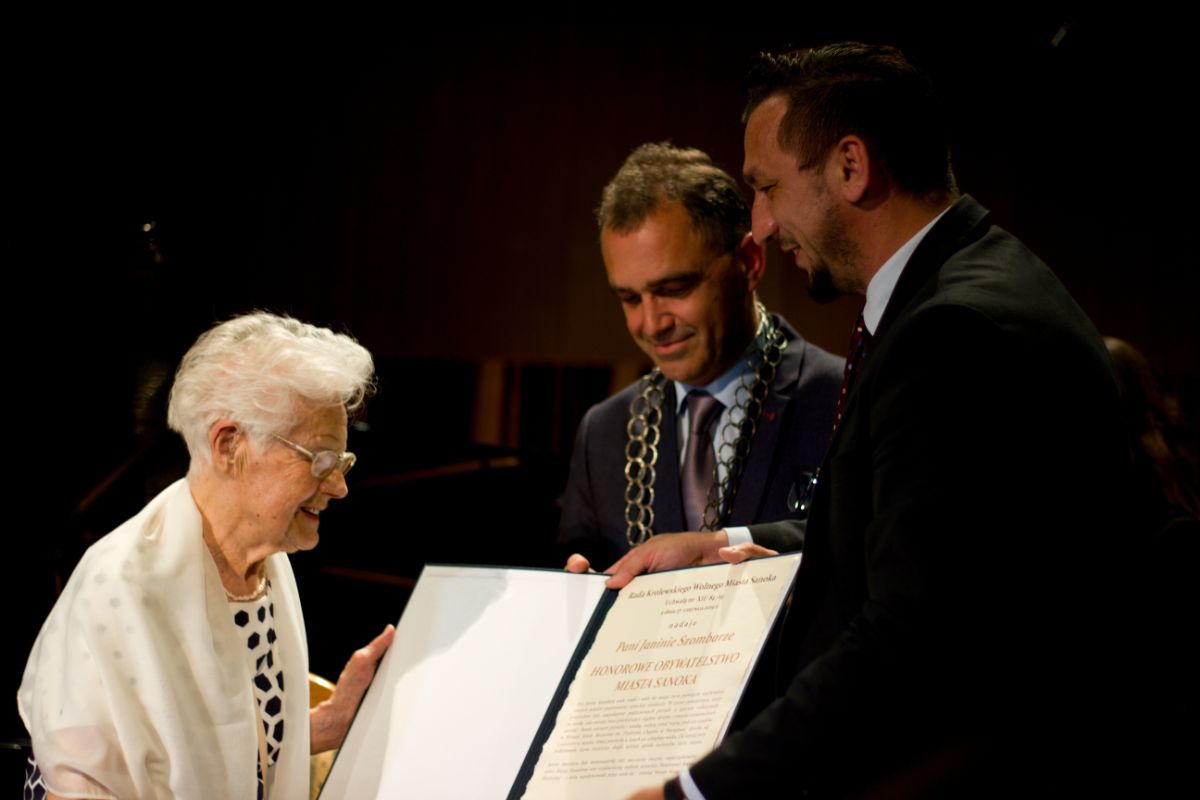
(246, 598)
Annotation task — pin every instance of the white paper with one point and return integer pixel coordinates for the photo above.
(459, 696)
(659, 686)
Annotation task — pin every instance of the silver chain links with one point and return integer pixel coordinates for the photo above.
(733, 443)
(641, 454)
(733, 449)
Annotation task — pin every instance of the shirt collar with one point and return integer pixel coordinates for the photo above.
(879, 290)
(724, 388)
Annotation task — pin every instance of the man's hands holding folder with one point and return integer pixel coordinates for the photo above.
(673, 551)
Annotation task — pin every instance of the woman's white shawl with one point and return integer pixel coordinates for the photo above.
(138, 684)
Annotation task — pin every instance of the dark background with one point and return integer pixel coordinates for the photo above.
(430, 191)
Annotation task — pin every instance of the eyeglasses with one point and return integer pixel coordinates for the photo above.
(324, 462)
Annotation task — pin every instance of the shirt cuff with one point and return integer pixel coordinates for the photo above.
(738, 535)
(690, 790)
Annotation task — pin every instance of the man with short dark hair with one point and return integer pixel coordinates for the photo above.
(958, 566)
(669, 452)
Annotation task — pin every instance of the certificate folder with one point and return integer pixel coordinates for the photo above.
(543, 684)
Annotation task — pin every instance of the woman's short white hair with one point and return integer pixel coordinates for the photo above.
(258, 370)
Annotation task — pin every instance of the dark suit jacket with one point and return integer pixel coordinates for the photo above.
(959, 550)
(792, 436)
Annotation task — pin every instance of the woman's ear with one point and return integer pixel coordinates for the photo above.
(225, 439)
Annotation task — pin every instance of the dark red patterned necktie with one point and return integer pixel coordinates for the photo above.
(859, 340)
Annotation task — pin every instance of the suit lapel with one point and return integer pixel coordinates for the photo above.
(668, 501)
(752, 486)
(965, 219)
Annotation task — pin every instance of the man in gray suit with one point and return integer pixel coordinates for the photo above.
(729, 426)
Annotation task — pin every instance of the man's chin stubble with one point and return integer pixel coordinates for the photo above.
(821, 288)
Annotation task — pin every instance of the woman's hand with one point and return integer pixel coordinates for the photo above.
(330, 720)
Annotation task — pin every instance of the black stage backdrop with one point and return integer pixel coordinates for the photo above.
(430, 189)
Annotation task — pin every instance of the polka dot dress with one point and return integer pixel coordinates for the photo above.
(34, 788)
(255, 621)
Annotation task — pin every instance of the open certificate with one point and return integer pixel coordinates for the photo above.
(544, 684)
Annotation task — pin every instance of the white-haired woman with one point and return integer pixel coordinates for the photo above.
(174, 664)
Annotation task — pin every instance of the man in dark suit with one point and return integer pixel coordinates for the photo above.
(674, 233)
(945, 632)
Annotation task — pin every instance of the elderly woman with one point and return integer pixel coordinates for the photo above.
(174, 664)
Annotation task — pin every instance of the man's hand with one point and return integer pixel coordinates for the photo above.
(329, 721)
(577, 563)
(649, 793)
(744, 552)
(670, 551)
